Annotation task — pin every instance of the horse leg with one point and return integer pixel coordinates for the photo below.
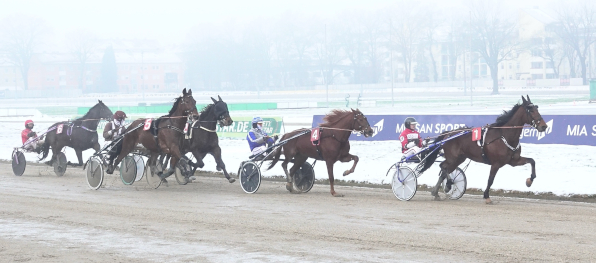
(79, 156)
(220, 164)
(127, 147)
(331, 178)
(435, 191)
(298, 162)
(348, 158)
(522, 161)
(284, 165)
(493, 171)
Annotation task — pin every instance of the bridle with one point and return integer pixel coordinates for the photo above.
(189, 111)
(534, 122)
(360, 129)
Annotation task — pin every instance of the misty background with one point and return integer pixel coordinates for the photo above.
(73, 48)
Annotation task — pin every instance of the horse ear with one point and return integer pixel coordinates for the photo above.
(524, 100)
(219, 98)
(184, 92)
(214, 101)
(189, 93)
(528, 96)
(352, 109)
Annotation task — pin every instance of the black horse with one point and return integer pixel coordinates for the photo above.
(203, 138)
(79, 134)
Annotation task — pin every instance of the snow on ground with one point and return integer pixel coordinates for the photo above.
(560, 169)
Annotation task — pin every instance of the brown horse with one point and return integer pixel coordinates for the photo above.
(165, 135)
(333, 145)
(500, 146)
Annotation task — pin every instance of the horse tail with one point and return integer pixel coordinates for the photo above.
(276, 153)
(430, 159)
(45, 149)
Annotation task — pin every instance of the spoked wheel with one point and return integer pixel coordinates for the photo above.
(140, 166)
(250, 177)
(404, 183)
(94, 173)
(151, 175)
(18, 163)
(128, 170)
(458, 188)
(181, 166)
(304, 178)
(60, 164)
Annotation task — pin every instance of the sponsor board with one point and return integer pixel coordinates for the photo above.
(241, 126)
(562, 129)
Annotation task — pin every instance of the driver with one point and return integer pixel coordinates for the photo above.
(29, 138)
(411, 142)
(258, 140)
(112, 131)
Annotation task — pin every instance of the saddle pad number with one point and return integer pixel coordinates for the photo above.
(315, 136)
(476, 134)
(147, 124)
(59, 129)
(186, 128)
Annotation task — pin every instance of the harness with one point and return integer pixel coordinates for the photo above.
(320, 152)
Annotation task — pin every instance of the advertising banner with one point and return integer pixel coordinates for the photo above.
(562, 129)
(241, 126)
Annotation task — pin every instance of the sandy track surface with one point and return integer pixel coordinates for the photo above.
(44, 218)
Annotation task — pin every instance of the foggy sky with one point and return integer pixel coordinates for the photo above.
(170, 21)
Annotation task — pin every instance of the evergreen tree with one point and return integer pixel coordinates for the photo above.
(109, 73)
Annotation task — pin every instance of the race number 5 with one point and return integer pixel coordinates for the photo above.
(314, 136)
(476, 134)
(147, 124)
(59, 129)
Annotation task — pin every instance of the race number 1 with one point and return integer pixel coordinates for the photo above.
(147, 125)
(476, 134)
(59, 129)
(314, 136)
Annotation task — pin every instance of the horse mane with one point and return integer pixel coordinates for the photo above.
(206, 109)
(175, 106)
(84, 117)
(506, 116)
(333, 117)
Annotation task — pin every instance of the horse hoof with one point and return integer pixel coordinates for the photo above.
(192, 178)
(488, 201)
(337, 195)
(231, 180)
(346, 173)
(289, 187)
(164, 182)
(528, 182)
(437, 198)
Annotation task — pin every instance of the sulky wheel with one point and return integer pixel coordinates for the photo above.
(404, 183)
(140, 166)
(182, 166)
(458, 188)
(151, 175)
(250, 177)
(304, 178)
(94, 173)
(18, 163)
(128, 170)
(60, 164)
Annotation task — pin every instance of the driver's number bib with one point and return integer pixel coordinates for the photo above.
(147, 124)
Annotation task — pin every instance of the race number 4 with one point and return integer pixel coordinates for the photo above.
(147, 124)
(59, 129)
(315, 136)
(476, 134)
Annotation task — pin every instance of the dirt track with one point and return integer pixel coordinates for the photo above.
(44, 218)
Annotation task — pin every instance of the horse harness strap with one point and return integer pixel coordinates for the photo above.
(509, 146)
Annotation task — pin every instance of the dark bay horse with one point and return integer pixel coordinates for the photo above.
(165, 135)
(204, 138)
(501, 146)
(333, 145)
(79, 134)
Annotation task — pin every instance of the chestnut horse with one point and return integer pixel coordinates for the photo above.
(165, 135)
(500, 145)
(333, 145)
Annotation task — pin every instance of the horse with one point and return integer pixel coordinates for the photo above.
(163, 136)
(79, 134)
(203, 137)
(333, 145)
(500, 146)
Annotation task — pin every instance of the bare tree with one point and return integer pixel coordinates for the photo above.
(20, 37)
(494, 36)
(553, 52)
(577, 28)
(407, 29)
(81, 44)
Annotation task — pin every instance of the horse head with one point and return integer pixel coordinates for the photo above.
(222, 114)
(361, 123)
(533, 117)
(101, 111)
(185, 105)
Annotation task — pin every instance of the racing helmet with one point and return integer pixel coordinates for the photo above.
(257, 120)
(119, 115)
(27, 123)
(409, 121)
